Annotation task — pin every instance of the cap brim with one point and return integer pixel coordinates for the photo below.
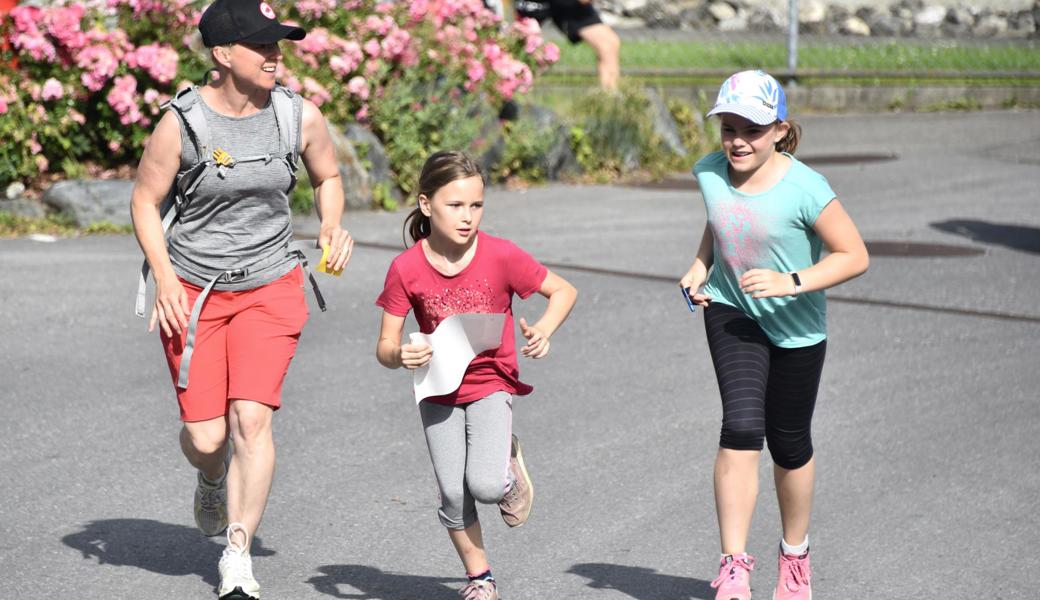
(275, 33)
(755, 115)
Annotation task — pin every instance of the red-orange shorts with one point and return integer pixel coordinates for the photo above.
(243, 346)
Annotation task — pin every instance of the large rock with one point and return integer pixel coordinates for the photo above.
(767, 20)
(373, 157)
(357, 184)
(721, 11)
(811, 13)
(855, 26)
(889, 25)
(990, 26)
(736, 24)
(958, 22)
(929, 20)
(559, 160)
(664, 124)
(23, 207)
(89, 201)
(1022, 25)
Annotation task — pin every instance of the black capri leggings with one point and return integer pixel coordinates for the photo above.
(768, 392)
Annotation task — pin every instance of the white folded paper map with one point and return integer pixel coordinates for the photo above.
(455, 342)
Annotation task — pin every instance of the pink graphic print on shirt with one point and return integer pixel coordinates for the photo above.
(472, 297)
(740, 235)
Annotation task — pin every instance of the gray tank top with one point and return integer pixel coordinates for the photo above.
(242, 220)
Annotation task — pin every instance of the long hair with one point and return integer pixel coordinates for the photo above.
(789, 143)
(440, 169)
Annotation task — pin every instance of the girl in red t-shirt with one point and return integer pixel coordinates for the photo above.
(453, 268)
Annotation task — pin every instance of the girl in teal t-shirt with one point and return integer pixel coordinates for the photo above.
(769, 217)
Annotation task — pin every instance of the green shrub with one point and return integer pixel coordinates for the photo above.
(526, 146)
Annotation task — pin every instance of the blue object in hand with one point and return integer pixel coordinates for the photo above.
(689, 301)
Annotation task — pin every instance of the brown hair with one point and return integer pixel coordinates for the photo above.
(440, 169)
(789, 143)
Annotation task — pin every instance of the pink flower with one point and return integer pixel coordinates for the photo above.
(64, 25)
(315, 92)
(99, 64)
(157, 60)
(550, 53)
(77, 116)
(362, 114)
(316, 42)
(3, 105)
(492, 51)
(475, 71)
(357, 86)
(28, 37)
(42, 164)
(372, 48)
(123, 98)
(314, 8)
(395, 44)
(52, 89)
(114, 145)
(417, 9)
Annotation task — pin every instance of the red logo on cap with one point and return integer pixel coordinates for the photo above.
(266, 9)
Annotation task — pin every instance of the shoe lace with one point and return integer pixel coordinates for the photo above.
(478, 589)
(794, 571)
(211, 498)
(241, 567)
(729, 566)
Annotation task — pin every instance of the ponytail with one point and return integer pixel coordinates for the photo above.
(417, 225)
(789, 143)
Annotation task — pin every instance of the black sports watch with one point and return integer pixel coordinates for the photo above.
(797, 283)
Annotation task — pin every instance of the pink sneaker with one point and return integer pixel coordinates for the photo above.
(792, 583)
(734, 580)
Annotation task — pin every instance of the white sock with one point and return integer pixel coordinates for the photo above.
(798, 550)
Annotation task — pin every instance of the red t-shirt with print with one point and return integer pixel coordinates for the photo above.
(498, 270)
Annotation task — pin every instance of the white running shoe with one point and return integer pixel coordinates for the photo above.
(211, 502)
(236, 569)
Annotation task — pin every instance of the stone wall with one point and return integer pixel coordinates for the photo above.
(1000, 19)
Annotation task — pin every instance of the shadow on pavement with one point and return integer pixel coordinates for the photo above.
(1016, 237)
(375, 584)
(642, 583)
(153, 546)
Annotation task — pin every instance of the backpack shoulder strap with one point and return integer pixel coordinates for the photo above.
(186, 105)
(289, 123)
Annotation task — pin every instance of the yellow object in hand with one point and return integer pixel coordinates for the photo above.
(322, 266)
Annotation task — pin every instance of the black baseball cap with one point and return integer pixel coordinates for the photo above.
(249, 21)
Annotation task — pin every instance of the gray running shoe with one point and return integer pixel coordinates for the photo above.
(479, 590)
(211, 502)
(515, 506)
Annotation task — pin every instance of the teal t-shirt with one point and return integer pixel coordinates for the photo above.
(772, 230)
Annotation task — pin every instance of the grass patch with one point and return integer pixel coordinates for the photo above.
(880, 56)
(58, 225)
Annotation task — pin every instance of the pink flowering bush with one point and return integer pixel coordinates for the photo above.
(84, 81)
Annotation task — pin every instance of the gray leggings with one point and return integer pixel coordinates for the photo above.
(470, 447)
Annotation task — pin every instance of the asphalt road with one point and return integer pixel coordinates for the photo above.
(926, 428)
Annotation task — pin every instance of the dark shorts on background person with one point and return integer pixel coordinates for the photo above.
(570, 16)
(243, 346)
